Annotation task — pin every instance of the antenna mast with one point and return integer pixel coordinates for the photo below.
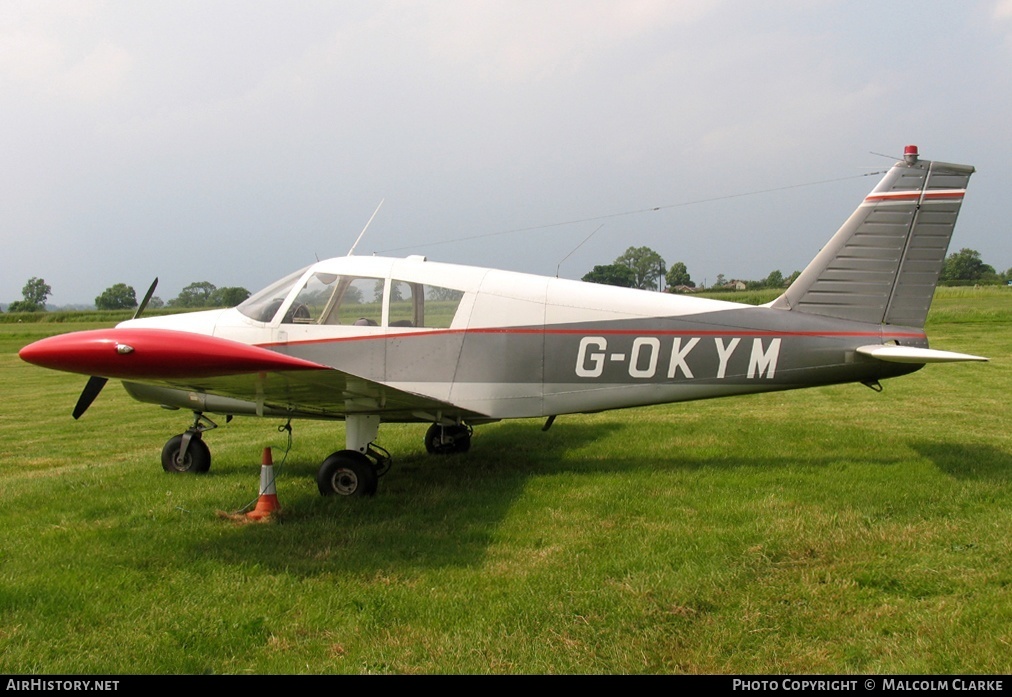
(575, 248)
(359, 238)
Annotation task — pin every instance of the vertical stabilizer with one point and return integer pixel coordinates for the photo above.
(883, 264)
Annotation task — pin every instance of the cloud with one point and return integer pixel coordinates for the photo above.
(50, 62)
(98, 76)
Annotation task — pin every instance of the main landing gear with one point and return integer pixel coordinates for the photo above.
(354, 471)
(447, 440)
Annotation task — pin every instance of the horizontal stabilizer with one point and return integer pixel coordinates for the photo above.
(910, 354)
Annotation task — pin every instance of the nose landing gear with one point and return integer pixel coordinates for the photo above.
(187, 452)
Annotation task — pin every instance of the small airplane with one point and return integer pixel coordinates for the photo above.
(368, 340)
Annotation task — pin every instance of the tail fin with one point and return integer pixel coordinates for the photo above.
(883, 264)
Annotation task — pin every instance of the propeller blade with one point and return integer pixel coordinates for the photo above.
(95, 384)
(147, 297)
(88, 395)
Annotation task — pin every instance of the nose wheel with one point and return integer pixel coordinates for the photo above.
(188, 452)
(193, 457)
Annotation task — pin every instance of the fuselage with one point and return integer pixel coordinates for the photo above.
(502, 344)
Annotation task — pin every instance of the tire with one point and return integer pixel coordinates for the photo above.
(198, 456)
(447, 440)
(347, 473)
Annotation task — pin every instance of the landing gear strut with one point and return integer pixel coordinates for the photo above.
(188, 452)
(355, 471)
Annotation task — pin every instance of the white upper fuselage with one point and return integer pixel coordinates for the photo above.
(492, 298)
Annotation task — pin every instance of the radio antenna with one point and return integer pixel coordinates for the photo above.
(359, 238)
(575, 248)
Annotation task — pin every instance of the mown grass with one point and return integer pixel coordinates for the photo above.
(831, 530)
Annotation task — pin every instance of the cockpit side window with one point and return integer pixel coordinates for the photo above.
(311, 302)
(357, 301)
(332, 299)
(403, 304)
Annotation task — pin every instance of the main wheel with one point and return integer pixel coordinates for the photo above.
(197, 460)
(446, 440)
(347, 473)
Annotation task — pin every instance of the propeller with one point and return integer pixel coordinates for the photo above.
(147, 299)
(88, 395)
(95, 383)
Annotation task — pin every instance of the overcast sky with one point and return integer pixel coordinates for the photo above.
(234, 142)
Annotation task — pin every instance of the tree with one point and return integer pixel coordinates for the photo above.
(197, 294)
(965, 265)
(117, 297)
(36, 291)
(229, 296)
(678, 275)
(611, 275)
(646, 264)
(774, 280)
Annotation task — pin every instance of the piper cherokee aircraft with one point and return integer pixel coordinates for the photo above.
(369, 340)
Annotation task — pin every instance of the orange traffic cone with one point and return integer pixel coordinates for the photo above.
(268, 501)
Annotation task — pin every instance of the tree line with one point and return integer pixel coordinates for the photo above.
(644, 268)
(121, 296)
(637, 267)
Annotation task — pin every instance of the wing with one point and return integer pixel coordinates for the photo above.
(325, 393)
(197, 371)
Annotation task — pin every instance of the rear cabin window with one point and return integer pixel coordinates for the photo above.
(420, 305)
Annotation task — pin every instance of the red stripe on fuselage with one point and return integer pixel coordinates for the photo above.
(590, 331)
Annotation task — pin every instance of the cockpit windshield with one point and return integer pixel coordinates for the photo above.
(263, 305)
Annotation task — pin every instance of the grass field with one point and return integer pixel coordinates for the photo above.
(832, 530)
